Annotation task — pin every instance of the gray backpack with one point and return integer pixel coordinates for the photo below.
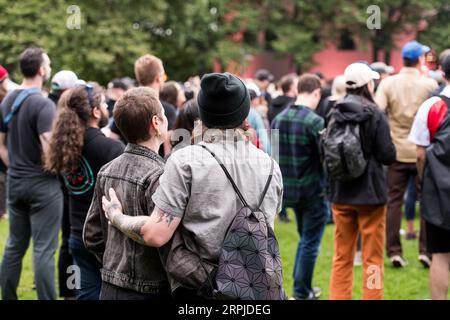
(342, 151)
(250, 263)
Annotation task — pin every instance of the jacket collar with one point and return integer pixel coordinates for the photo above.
(143, 151)
(409, 70)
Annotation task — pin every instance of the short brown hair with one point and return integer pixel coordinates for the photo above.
(410, 63)
(30, 61)
(308, 82)
(134, 112)
(146, 68)
(169, 92)
(286, 82)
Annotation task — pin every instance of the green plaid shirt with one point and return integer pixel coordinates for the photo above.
(299, 158)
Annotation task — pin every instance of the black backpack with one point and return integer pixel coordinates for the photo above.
(341, 150)
(250, 263)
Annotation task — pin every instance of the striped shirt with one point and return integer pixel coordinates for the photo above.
(298, 136)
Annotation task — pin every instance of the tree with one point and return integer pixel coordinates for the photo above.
(192, 35)
(105, 45)
(437, 34)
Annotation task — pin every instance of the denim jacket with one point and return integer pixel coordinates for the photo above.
(134, 176)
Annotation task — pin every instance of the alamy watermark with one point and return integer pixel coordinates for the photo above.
(74, 279)
(73, 21)
(374, 279)
(374, 20)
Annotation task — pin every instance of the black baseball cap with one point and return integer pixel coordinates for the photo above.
(263, 74)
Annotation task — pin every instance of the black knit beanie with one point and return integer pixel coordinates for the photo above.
(223, 101)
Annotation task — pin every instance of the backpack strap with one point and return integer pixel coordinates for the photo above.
(21, 97)
(267, 184)
(235, 187)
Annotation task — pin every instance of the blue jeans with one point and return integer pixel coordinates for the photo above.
(35, 207)
(311, 215)
(411, 198)
(91, 280)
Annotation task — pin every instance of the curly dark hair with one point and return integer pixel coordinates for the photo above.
(68, 130)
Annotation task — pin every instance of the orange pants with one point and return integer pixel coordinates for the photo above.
(369, 221)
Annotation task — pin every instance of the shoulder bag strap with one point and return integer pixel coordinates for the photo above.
(269, 179)
(21, 97)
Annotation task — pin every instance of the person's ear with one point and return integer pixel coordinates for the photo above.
(155, 124)
(371, 86)
(318, 92)
(96, 113)
(422, 60)
(41, 71)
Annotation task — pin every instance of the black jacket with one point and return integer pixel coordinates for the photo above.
(436, 178)
(371, 187)
(279, 104)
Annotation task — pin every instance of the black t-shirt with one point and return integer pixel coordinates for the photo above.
(97, 151)
(171, 114)
(34, 118)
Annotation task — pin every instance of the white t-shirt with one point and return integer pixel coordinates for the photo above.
(420, 131)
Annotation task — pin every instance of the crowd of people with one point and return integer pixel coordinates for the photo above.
(144, 178)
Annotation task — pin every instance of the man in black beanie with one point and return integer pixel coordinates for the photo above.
(194, 191)
(223, 101)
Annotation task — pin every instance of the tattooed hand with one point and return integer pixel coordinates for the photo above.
(130, 226)
(112, 208)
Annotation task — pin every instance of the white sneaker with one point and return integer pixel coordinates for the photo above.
(426, 262)
(358, 259)
(398, 262)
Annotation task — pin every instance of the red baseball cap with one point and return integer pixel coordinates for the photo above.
(3, 73)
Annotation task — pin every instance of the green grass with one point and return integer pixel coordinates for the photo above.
(408, 283)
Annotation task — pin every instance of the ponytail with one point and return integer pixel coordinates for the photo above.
(69, 127)
(66, 143)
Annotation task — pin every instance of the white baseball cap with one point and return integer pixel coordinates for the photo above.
(382, 67)
(254, 87)
(64, 79)
(358, 74)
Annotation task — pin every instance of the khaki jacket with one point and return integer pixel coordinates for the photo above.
(400, 96)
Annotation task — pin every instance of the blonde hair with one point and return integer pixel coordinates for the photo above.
(146, 69)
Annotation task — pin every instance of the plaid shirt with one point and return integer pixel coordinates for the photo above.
(299, 159)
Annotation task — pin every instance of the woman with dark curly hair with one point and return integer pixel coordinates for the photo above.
(78, 149)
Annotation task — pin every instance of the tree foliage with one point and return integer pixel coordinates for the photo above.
(192, 35)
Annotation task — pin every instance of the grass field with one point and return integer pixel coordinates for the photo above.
(408, 283)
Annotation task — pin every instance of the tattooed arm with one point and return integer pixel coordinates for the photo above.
(154, 231)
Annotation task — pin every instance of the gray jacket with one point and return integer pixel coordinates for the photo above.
(134, 176)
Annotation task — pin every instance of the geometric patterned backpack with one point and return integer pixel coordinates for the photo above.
(250, 263)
